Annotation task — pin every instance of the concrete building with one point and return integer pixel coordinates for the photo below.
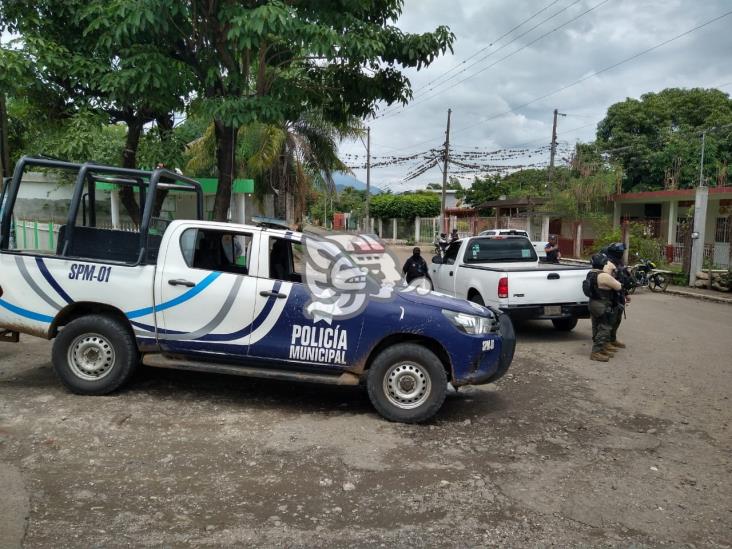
(668, 213)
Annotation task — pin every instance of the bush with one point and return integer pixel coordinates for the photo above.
(640, 243)
(405, 206)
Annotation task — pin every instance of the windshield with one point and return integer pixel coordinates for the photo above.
(492, 250)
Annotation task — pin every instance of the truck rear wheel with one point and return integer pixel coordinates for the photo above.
(407, 383)
(564, 324)
(94, 355)
(476, 298)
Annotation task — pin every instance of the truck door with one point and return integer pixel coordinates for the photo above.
(205, 291)
(443, 275)
(290, 334)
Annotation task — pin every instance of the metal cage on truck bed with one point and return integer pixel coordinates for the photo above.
(88, 240)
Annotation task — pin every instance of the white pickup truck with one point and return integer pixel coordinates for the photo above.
(505, 273)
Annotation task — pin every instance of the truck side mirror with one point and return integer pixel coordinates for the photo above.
(437, 259)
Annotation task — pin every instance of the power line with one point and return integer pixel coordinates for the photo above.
(395, 110)
(525, 46)
(596, 73)
(433, 81)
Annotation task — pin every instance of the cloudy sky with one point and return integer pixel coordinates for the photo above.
(481, 87)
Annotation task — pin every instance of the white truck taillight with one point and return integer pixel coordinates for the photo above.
(503, 287)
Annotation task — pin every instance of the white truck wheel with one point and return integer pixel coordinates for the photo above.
(94, 355)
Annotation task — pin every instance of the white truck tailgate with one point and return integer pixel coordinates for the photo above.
(542, 286)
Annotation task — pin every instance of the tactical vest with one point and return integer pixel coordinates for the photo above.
(598, 293)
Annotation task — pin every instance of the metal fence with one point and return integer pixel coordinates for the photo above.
(43, 235)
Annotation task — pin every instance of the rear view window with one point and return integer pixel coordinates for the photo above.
(488, 250)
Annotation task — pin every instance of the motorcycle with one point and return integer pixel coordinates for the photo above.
(643, 274)
(440, 243)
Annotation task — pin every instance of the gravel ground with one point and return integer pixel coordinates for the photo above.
(561, 451)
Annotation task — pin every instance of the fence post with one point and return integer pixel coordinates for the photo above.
(381, 228)
(25, 237)
(417, 233)
(50, 236)
(394, 228)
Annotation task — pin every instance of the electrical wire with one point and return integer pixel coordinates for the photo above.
(601, 71)
(525, 46)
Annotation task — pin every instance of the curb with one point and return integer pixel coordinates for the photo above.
(703, 297)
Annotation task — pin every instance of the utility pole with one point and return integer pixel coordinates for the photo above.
(444, 170)
(554, 144)
(701, 200)
(368, 179)
(701, 164)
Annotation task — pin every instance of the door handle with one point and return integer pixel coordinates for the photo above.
(450, 273)
(181, 282)
(275, 294)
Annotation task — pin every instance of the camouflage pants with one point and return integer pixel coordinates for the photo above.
(617, 318)
(603, 319)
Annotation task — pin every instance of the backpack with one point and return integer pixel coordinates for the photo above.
(589, 285)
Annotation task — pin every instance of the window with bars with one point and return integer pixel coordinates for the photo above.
(722, 230)
(682, 226)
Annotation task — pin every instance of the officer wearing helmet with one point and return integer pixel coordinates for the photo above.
(615, 252)
(602, 290)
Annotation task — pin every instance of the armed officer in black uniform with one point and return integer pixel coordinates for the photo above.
(415, 266)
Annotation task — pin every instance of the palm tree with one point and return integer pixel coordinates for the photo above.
(287, 161)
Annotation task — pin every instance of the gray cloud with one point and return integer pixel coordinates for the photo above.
(612, 32)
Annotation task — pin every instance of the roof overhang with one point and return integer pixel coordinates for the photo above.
(672, 195)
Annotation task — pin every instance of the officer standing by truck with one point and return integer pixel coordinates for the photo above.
(615, 252)
(602, 289)
(415, 266)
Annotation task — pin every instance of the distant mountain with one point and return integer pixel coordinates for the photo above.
(343, 180)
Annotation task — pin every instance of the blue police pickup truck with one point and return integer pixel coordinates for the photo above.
(252, 300)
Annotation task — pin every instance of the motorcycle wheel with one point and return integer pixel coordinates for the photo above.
(658, 283)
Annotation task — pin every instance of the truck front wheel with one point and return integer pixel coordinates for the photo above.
(94, 355)
(407, 383)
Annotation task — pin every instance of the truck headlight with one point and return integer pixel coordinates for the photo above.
(470, 324)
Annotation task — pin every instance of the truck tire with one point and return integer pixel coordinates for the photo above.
(407, 383)
(94, 355)
(477, 298)
(564, 324)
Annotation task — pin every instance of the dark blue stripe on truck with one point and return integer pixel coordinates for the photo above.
(52, 281)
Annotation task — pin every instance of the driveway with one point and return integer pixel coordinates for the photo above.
(562, 450)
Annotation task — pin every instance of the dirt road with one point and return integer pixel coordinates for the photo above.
(562, 450)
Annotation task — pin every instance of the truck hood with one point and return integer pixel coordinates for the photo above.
(443, 301)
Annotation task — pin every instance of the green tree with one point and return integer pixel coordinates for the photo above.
(657, 139)
(269, 61)
(581, 198)
(65, 62)
(485, 189)
(288, 160)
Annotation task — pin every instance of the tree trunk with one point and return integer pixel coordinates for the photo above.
(4, 151)
(165, 127)
(225, 147)
(129, 160)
